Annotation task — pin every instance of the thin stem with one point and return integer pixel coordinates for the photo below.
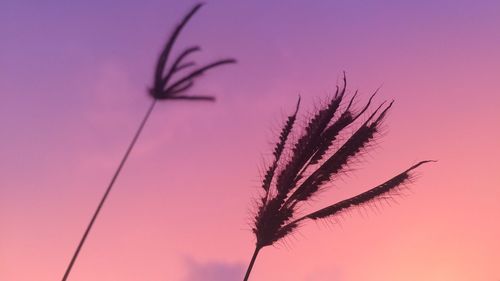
(250, 266)
(103, 199)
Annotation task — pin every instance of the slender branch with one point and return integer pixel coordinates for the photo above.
(162, 61)
(198, 72)
(108, 190)
(278, 150)
(185, 65)
(181, 88)
(175, 66)
(250, 266)
(362, 197)
(201, 98)
(160, 90)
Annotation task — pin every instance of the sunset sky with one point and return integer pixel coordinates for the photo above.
(73, 82)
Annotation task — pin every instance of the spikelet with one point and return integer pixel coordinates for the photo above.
(365, 197)
(333, 165)
(331, 133)
(311, 156)
(278, 149)
(306, 145)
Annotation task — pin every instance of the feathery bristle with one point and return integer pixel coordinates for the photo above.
(366, 196)
(269, 221)
(335, 163)
(331, 133)
(279, 147)
(307, 145)
(276, 214)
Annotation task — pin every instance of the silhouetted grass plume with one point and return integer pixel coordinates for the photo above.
(311, 162)
(166, 86)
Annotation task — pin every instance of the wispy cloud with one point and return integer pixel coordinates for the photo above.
(213, 271)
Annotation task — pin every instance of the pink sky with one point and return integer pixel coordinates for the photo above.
(73, 82)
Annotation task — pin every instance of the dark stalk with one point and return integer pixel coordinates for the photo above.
(163, 89)
(252, 261)
(108, 190)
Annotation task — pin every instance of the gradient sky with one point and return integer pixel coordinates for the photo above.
(73, 80)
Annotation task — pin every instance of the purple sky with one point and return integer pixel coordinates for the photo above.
(73, 80)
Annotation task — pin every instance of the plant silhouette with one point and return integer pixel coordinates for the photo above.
(165, 87)
(311, 163)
